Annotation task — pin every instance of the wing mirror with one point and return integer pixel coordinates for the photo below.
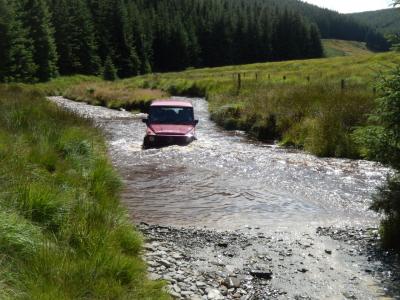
(145, 121)
(195, 122)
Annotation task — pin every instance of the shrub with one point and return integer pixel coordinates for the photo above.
(387, 201)
(381, 141)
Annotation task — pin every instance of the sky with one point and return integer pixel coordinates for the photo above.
(348, 6)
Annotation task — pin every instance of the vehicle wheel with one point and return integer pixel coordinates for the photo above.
(147, 143)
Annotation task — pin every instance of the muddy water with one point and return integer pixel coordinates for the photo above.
(225, 181)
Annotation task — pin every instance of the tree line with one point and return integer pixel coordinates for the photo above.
(43, 38)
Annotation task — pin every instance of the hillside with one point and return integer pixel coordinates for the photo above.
(384, 21)
(46, 38)
(334, 48)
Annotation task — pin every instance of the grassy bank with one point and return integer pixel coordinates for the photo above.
(63, 233)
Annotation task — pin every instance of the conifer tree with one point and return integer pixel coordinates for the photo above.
(110, 72)
(315, 48)
(122, 46)
(16, 51)
(4, 40)
(376, 42)
(141, 38)
(35, 17)
(75, 37)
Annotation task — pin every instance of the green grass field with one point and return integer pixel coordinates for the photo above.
(63, 232)
(310, 104)
(334, 48)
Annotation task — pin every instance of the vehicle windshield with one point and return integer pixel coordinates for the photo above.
(171, 115)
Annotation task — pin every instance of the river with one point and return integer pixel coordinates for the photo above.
(224, 180)
(227, 182)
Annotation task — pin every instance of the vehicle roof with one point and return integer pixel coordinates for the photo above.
(172, 102)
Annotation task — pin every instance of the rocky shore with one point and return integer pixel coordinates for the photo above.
(248, 264)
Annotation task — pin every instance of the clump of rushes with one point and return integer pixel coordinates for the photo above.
(63, 233)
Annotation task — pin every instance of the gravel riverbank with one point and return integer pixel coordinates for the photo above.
(248, 264)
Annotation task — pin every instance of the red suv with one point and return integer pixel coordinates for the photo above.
(170, 122)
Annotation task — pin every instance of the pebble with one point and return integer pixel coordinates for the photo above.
(232, 282)
(214, 295)
(200, 284)
(186, 293)
(165, 263)
(302, 270)
(264, 274)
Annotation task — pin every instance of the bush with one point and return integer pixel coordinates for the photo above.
(387, 201)
(381, 141)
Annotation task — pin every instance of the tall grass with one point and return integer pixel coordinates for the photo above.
(316, 117)
(63, 233)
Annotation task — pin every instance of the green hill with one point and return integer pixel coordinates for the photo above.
(385, 20)
(334, 48)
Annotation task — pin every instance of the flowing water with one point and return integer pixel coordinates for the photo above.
(226, 181)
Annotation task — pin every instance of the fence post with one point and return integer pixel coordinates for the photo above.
(239, 86)
(284, 77)
(256, 76)
(343, 84)
(269, 76)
